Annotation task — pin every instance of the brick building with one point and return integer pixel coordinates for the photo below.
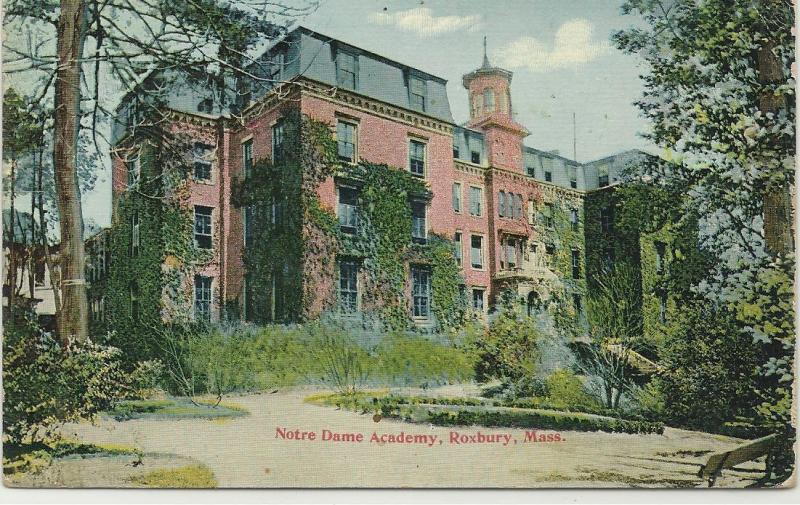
(524, 222)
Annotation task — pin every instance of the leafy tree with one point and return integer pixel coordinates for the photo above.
(78, 54)
(720, 96)
(614, 313)
(510, 349)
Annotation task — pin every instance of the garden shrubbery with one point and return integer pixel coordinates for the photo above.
(47, 384)
(220, 361)
(476, 411)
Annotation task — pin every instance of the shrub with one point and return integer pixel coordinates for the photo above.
(524, 387)
(345, 366)
(566, 389)
(475, 411)
(46, 385)
(405, 360)
(510, 349)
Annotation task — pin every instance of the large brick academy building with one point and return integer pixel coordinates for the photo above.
(522, 221)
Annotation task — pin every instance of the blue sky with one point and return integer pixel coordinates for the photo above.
(559, 51)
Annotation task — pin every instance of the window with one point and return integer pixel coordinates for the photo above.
(135, 240)
(661, 250)
(577, 305)
(457, 247)
(517, 206)
(202, 298)
(531, 171)
(573, 219)
(419, 230)
(206, 106)
(416, 158)
(348, 209)
(247, 157)
(510, 249)
(477, 300)
(576, 264)
(475, 201)
(134, 292)
(475, 157)
(550, 249)
(476, 251)
(417, 92)
(547, 165)
(278, 133)
(606, 219)
(502, 204)
(573, 177)
(134, 168)
(346, 141)
(457, 197)
(421, 291)
(547, 215)
(202, 226)
(276, 67)
(456, 152)
(202, 161)
(608, 259)
(602, 176)
(346, 70)
(548, 176)
(348, 286)
(488, 100)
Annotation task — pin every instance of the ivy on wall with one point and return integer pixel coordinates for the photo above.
(290, 260)
(151, 283)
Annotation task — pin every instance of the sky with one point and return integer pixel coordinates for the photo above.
(559, 51)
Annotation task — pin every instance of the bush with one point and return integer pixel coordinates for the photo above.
(46, 385)
(524, 387)
(402, 360)
(344, 365)
(510, 349)
(566, 389)
(474, 411)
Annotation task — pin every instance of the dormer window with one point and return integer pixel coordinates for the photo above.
(346, 70)
(276, 67)
(602, 176)
(417, 93)
(205, 106)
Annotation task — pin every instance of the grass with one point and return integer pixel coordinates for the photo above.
(34, 457)
(174, 408)
(185, 477)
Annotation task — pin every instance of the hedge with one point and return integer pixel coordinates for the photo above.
(473, 411)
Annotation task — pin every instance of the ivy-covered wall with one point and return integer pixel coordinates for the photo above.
(152, 283)
(295, 240)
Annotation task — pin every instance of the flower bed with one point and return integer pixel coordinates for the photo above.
(474, 411)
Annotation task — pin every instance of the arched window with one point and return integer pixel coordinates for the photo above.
(488, 100)
(533, 303)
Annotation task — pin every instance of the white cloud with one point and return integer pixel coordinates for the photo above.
(422, 21)
(573, 44)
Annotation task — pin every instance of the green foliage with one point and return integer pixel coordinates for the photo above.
(472, 411)
(510, 349)
(405, 360)
(173, 408)
(46, 385)
(344, 365)
(565, 388)
(185, 477)
(711, 369)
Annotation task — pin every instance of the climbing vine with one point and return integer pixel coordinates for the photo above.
(290, 258)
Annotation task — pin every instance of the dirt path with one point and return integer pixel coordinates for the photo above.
(245, 452)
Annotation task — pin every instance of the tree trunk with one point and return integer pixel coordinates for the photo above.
(12, 251)
(777, 200)
(74, 315)
(32, 242)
